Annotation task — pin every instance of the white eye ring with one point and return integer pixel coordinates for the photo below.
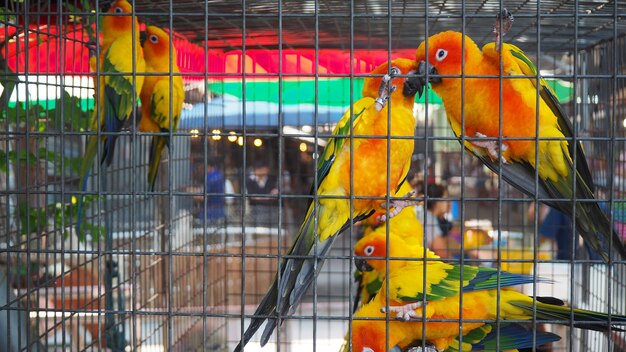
(394, 71)
(441, 54)
(118, 10)
(369, 250)
(154, 39)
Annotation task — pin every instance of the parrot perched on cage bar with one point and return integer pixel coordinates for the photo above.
(374, 121)
(117, 90)
(405, 223)
(451, 292)
(534, 147)
(159, 113)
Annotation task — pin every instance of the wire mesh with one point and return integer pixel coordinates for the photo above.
(184, 267)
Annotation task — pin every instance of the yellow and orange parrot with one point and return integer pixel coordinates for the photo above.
(348, 167)
(405, 223)
(452, 292)
(159, 112)
(117, 90)
(537, 136)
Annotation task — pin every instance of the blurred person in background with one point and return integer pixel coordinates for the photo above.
(263, 209)
(555, 230)
(214, 189)
(437, 227)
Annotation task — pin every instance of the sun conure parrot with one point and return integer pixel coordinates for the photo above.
(159, 113)
(116, 94)
(534, 142)
(340, 175)
(405, 223)
(442, 289)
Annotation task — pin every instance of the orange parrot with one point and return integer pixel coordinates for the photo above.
(348, 167)
(117, 89)
(155, 96)
(534, 142)
(451, 292)
(404, 223)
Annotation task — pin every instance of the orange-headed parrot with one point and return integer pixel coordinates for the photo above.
(536, 134)
(451, 292)
(117, 91)
(161, 102)
(356, 166)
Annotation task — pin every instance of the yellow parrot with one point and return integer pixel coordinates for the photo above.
(533, 141)
(452, 293)
(340, 175)
(159, 113)
(117, 89)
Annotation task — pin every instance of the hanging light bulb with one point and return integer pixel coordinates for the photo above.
(216, 135)
(240, 140)
(258, 142)
(232, 137)
(303, 147)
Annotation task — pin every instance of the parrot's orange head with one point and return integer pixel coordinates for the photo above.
(444, 57)
(373, 245)
(391, 79)
(120, 19)
(156, 45)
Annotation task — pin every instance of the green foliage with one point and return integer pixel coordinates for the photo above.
(21, 116)
(36, 220)
(86, 20)
(6, 16)
(65, 113)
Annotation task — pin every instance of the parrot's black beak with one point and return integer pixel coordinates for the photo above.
(142, 37)
(420, 81)
(362, 265)
(412, 86)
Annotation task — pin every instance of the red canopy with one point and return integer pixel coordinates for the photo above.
(52, 50)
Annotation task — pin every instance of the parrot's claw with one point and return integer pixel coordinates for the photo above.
(428, 348)
(405, 312)
(491, 147)
(507, 19)
(384, 91)
(397, 206)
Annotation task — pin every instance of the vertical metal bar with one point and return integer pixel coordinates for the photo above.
(536, 172)
(244, 190)
(350, 133)
(611, 176)
(462, 259)
(29, 181)
(168, 225)
(280, 168)
(574, 161)
(388, 168)
(425, 167)
(62, 115)
(205, 255)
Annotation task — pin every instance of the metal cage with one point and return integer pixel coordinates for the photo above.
(265, 83)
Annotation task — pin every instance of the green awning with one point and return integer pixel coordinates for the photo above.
(331, 91)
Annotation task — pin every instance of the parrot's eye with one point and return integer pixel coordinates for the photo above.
(369, 250)
(118, 10)
(154, 39)
(441, 54)
(394, 71)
